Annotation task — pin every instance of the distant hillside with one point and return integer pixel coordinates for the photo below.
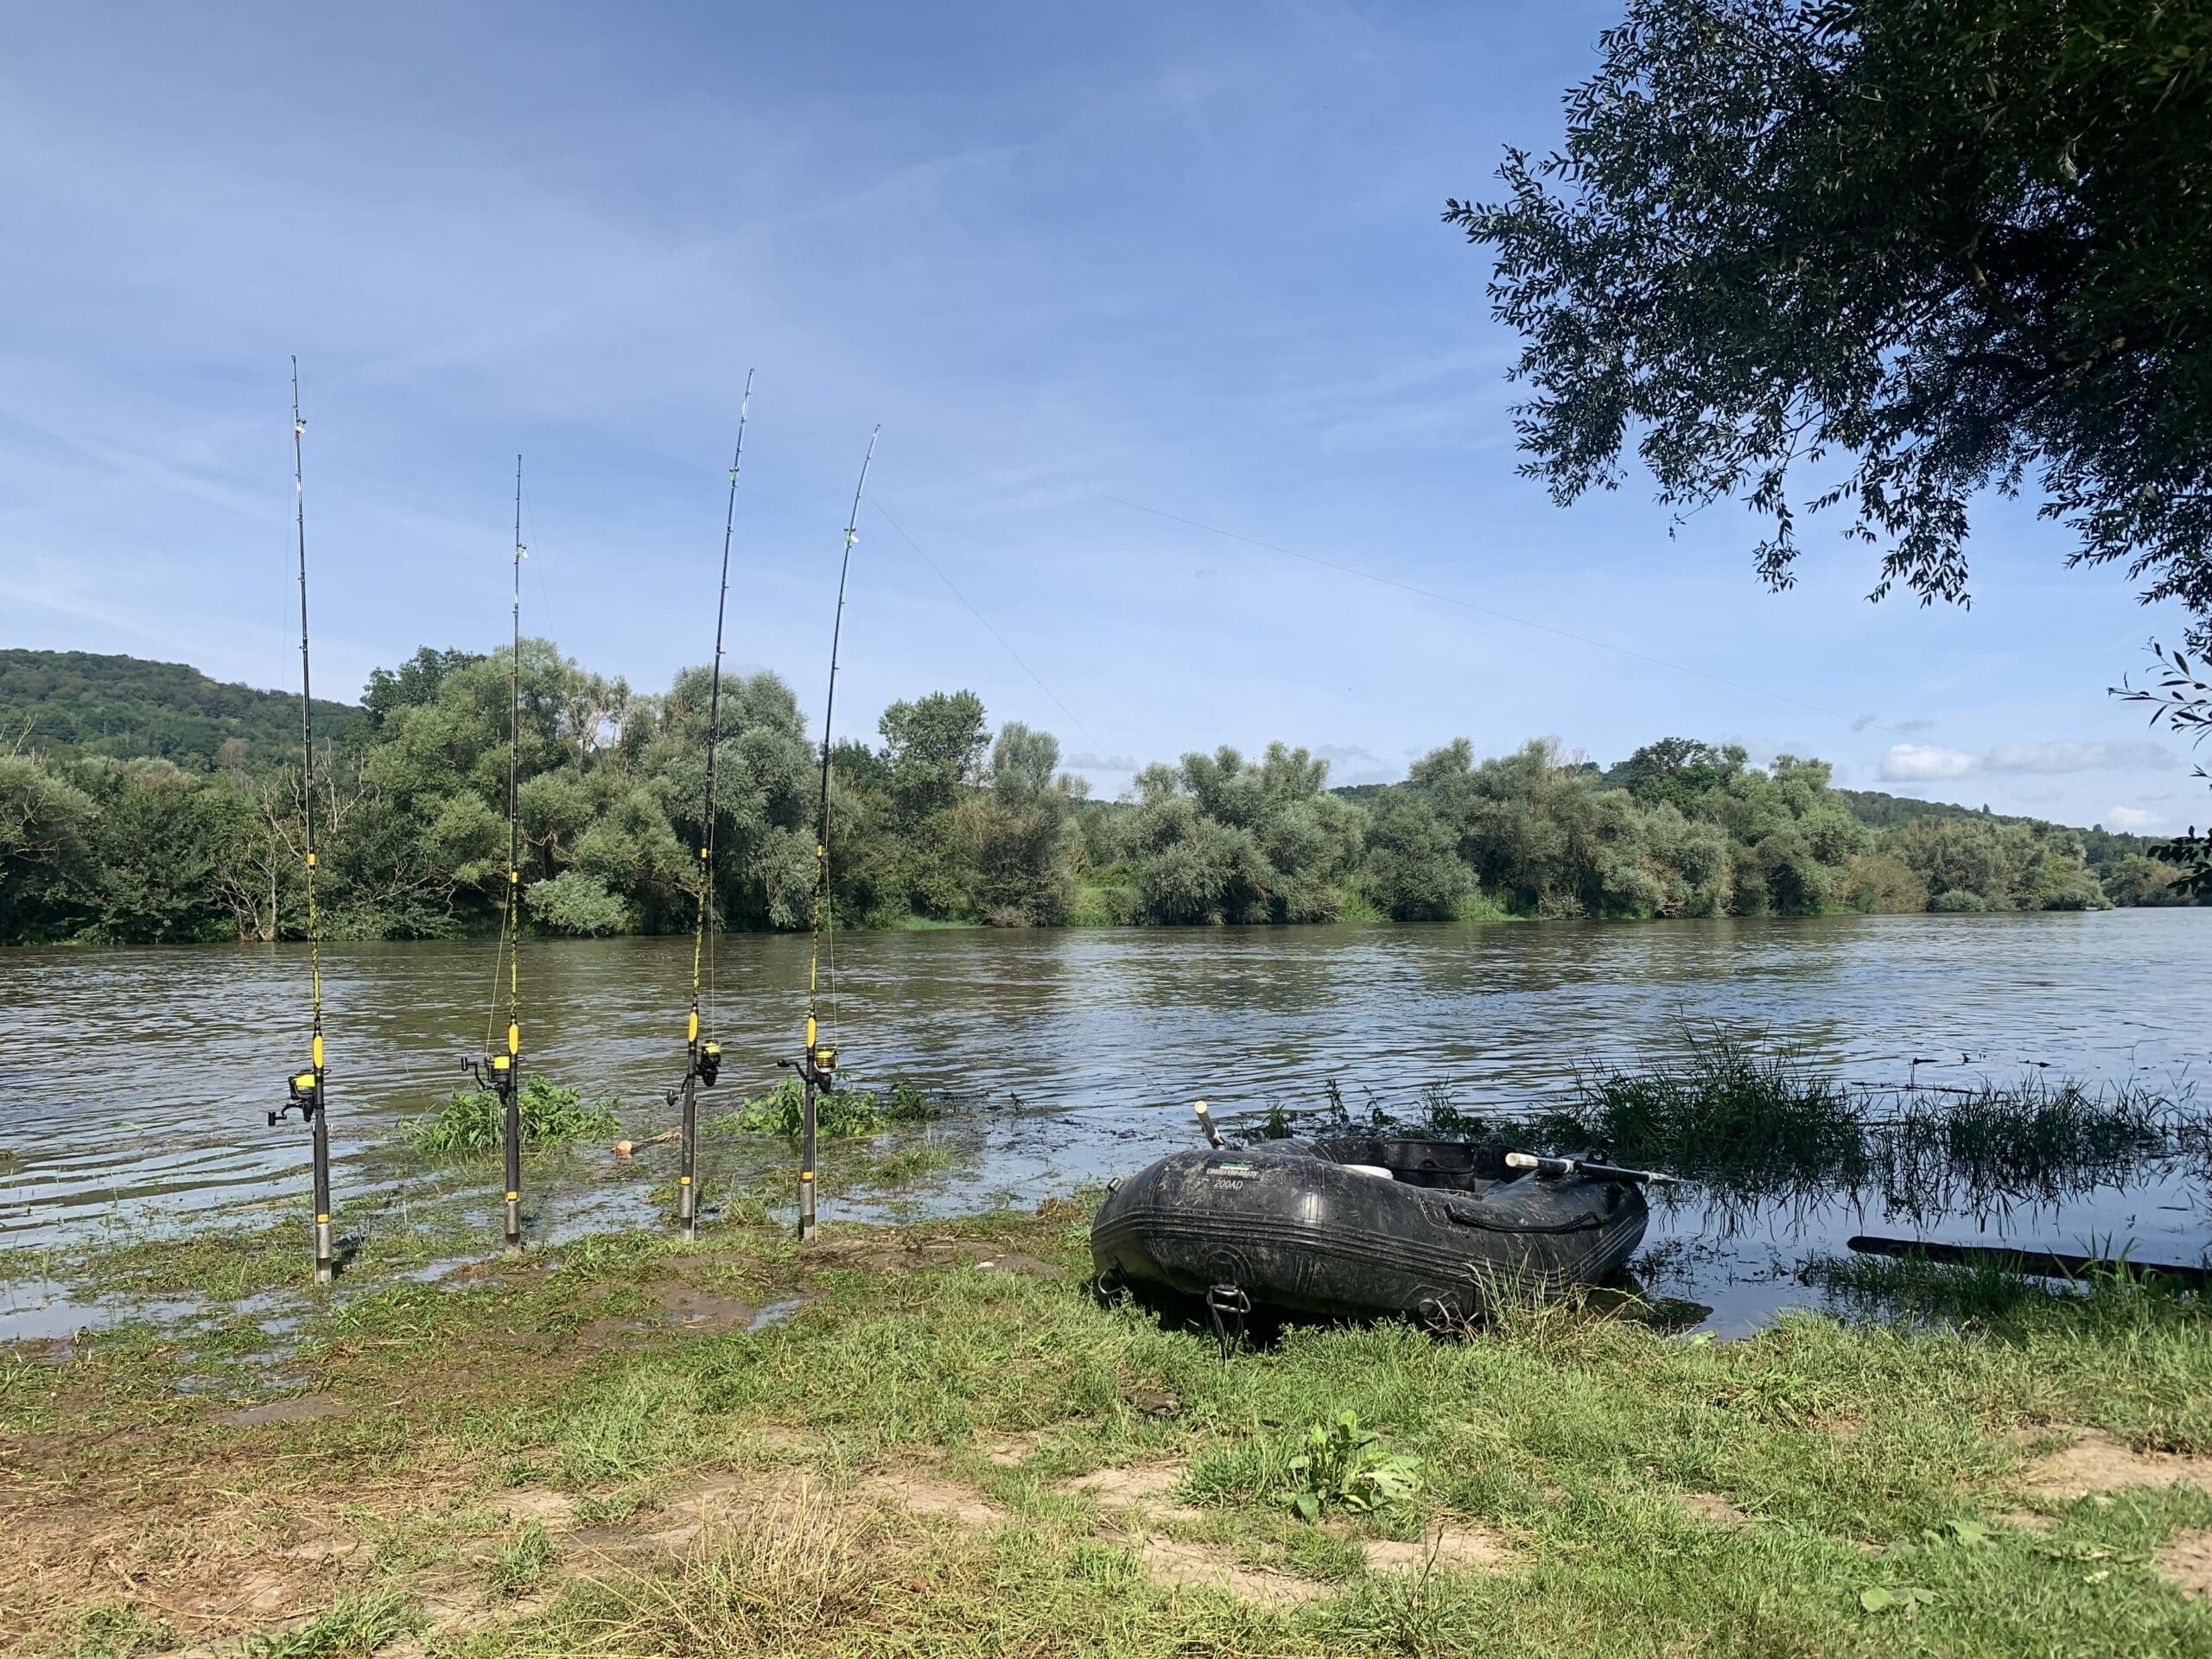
(75, 702)
(1881, 812)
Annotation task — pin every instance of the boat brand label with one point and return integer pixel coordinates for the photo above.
(1232, 1171)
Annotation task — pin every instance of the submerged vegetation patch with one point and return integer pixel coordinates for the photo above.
(472, 1120)
(839, 1113)
(1749, 1124)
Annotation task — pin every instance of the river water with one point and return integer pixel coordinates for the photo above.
(133, 1082)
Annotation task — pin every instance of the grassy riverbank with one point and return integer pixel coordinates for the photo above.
(941, 1446)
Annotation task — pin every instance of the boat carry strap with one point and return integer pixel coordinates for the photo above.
(1226, 1305)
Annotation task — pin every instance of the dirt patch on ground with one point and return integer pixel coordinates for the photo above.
(555, 1511)
(1463, 1547)
(2098, 1462)
(1201, 1566)
(1009, 1453)
(2186, 1563)
(1713, 1507)
(1028, 1266)
(598, 1334)
(696, 1309)
(301, 1409)
(1155, 1402)
(920, 1494)
(40, 1351)
(1122, 1490)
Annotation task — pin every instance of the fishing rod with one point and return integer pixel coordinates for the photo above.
(817, 1066)
(703, 1059)
(306, 1089)
(502, 1073)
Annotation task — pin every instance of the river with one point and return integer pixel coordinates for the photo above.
(133, 1082)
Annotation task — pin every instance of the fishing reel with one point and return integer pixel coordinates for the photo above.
(706, 1066)
(306, 1097)
(818, 1065)
(494, 1074)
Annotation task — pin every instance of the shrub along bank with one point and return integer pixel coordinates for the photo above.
(941, 820)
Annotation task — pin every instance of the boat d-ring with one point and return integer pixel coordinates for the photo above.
(1226, 1305)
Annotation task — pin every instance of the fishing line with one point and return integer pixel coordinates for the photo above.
(937, 570)
(877, 503)
(1484, 610)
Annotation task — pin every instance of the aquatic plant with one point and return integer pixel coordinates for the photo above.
(472, 1120)
(839, 1113)
(1740, 1120)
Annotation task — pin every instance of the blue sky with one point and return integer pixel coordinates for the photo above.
(1070, 259)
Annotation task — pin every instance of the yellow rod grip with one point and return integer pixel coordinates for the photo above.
(691, 1032)
(317, 1048)
(810, 1031)
(514, 1038)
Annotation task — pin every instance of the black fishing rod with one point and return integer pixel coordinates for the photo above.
(817, 1066)
(307, 1089)
(501, 1073)
(703, 1059)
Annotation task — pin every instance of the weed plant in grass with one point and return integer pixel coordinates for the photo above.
(839, 1113)
(356, 1627)
(472, 1120)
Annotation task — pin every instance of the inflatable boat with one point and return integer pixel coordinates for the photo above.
(1360, 1227)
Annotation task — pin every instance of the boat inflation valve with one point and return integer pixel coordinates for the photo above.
(1226, 1305)
(305, 1092)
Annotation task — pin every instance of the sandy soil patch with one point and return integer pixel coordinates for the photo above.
(555, 1511)
(301, 1409)
(2186, 1563)
(920, 1494)
(1463, 1547)
(1202, 1565)
(1128, 1489)
(1710, 1506)
(2098, 1462)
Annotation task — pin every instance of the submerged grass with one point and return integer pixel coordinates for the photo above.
(1750, 1125)
(839, 1114)
(472, 1120)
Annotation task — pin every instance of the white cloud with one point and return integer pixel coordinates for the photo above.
(1933, 762)
(1922, 762)
(2134, 819)
(1085, 761)
(1351, 763)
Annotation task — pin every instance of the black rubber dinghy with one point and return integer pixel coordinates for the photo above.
(1356, 1227)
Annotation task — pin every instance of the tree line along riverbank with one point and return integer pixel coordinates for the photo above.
(143, 802)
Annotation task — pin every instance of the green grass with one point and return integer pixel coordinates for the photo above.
(1872, 1466)
(358, 1625)
(472, 1120)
